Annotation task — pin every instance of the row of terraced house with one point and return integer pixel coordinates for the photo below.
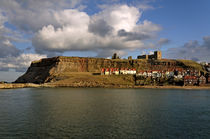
(117, 71)
(176, 73)
(190, 76)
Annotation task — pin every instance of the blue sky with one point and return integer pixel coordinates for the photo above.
(182, 20)
(30, 30)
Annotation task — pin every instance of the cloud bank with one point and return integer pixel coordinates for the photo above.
(10, 56)
(192, 50)
(61, 27)
(114, 28)
(65, 26)
(20, 63)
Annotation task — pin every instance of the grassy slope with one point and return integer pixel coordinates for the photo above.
(87, 79)
(191, 64)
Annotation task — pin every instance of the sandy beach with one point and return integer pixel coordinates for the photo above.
(52, 85)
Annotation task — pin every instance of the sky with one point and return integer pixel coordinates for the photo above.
(35, 29)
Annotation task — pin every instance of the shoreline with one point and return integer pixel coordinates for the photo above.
(51, 85)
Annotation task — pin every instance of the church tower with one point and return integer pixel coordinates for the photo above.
(158, 55)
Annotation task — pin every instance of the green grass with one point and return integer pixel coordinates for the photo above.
(191, 64)
(72, 77)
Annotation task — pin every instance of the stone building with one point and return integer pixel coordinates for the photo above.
(156, 56)
(130, 58)
(202, 80)
(190, 80)
(115, 56)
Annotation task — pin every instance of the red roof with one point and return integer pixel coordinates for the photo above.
(190, 77)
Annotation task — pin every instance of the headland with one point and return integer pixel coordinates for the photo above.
(145, 72)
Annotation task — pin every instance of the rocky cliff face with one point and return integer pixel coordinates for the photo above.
(45, 70)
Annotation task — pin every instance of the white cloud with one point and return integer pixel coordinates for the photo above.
(10, 56)
(3, 19)
(192, 50)
(6, 47)
(71, 17)
(32, 15)
(19, 63)
(163, 41)
(59, 27)
(145, 6)
(78, 31)
(147, 27)
(120, 17)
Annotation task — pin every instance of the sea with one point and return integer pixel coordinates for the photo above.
(98, 113)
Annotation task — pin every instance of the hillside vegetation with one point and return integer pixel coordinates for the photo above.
(88, 80)
(191, 64)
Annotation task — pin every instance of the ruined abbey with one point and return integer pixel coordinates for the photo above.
(156, 56)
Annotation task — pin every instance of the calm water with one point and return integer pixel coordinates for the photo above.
(104, 113)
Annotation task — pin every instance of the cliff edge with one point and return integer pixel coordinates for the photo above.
(85, 71)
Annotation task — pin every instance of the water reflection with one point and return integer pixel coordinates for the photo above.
(108, 113)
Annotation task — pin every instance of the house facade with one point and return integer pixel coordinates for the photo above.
(117, 71)
(202, 80)
(190, 80)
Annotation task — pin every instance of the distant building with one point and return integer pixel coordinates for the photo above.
(122, 71)
(202, 80)
(130, 58)
(107, 71)
(190, 80)
(149, 73)
(115, 56)
(117, 71)
(111, 71)
(143, 57)
(157, 56)
(102, 71)
(204, 63)
(167, 73)
(171, 73)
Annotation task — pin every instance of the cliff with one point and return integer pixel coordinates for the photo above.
(80, 69)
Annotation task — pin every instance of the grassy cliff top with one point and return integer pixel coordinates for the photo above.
(182, 63)
(191, 64)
